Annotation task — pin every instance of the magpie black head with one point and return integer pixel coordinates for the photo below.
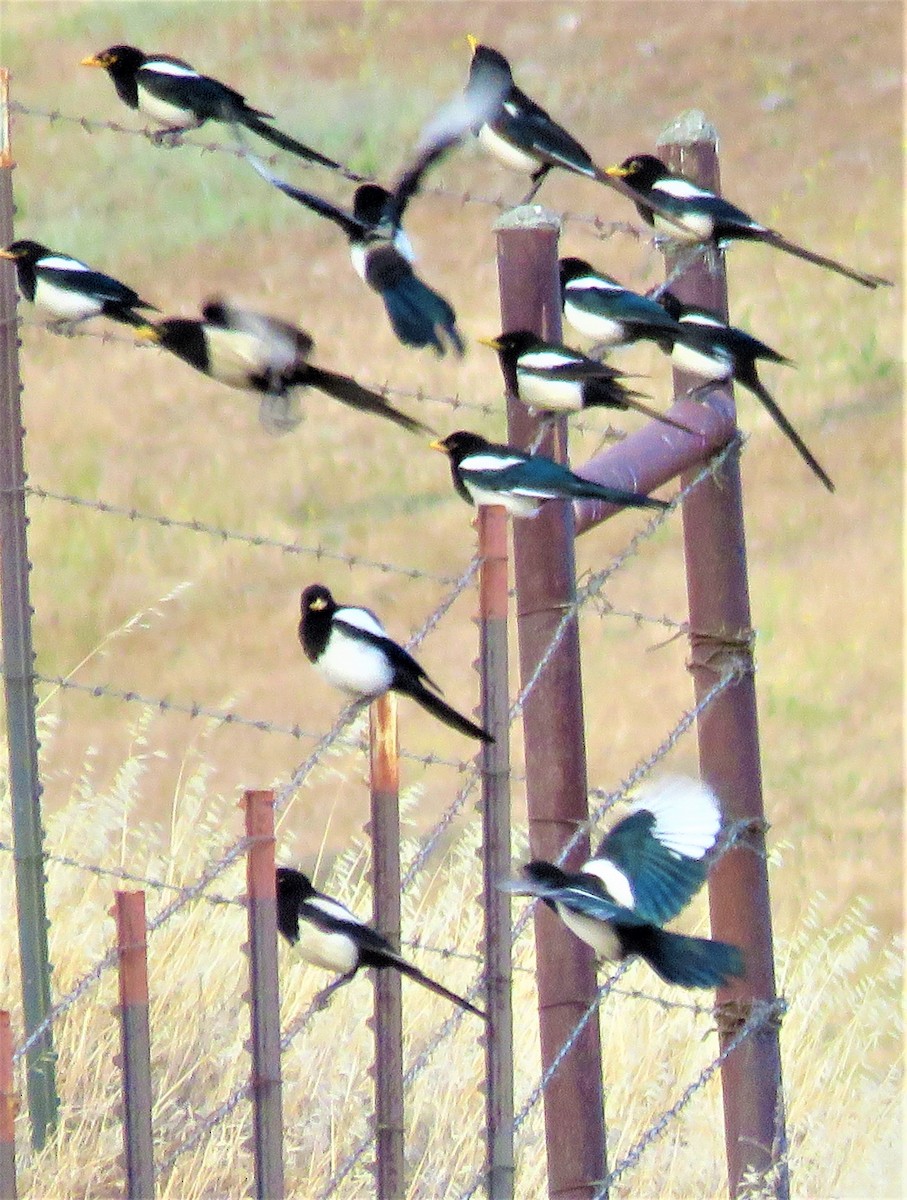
(370, 202)
(317, 599)
(215, 313)
(181, 336)
(119, 61)
(573, 268)
(25, 251)
(544, 873)
(511, 345)
(293, 888)
(484, 57)
(641, 171)
(317, 606)
(460, 445)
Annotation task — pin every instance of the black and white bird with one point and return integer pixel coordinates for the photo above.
(254, 352)
(484, 472)
(379, 249)
(521, 135)
(716, 352)
(702, 216)
(173, 94)
(645, 871)
(328, 935)
(552, 378)
(600, 308)
(352, 650)
(70, 290)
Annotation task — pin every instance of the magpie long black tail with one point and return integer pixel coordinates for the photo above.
(406, 968)
(417, 313)
(687, 961)
(756, 387)
(830, 264)
(438, 708)
(585, 489)
(348, 391)
(285, 142)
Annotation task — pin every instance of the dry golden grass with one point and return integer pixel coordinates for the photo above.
(839, 1037)
(805, 97)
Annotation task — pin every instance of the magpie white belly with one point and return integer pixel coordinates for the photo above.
(164, 112)
(333, 951)
(517, 506)
(559, 395)
(602, 329)
(704, 366)
(511, 156)
(597, 934)
(355, 666)
(63, 303)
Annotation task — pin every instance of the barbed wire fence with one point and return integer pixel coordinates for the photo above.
(745, 1017)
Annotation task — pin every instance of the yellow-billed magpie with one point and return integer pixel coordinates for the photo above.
(175, 95)
(703, 216)
(327, 934)
(484, 472)
(380, 252)
(552, 378)
(254, 352)
(600, 308)
(352, 650)
(647, 868)
(68, 289)
(716, 352)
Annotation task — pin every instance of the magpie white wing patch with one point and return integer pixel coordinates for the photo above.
(58, 262)
(333, 909)
(613, 878)
(545, 360)
(687, 814)
(361, 618)
(680, 189)
(489, 462)
(170, 68)
(699, 318)
(592, 283)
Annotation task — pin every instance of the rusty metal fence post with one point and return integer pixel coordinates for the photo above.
(264, 996)
(7, 1111)
(18, 681)
(387, 1022)
(555, 753)
(721, 638)
(496, 819)
(135, 1045)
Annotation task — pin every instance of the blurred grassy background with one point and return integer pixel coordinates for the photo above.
(807, 101)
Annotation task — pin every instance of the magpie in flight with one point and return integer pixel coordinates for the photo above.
(351, 649)
(254, 352)
(379, 250)
(709, 348)
(176, 96)
(552, 378)
(600, 308)
(647, 868)
(702, 216)
(486, 473)
(328, 935)
(68, 289)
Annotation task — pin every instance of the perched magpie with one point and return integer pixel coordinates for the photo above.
(703, 216)
(254, 352)
(351, 649)
(333, 938)
(598, 307)
(380, 251)
(520, 134)
(716, 352)
(486, 473)
(553, 378)
(644, 872)
(70, 290)
(175, 95)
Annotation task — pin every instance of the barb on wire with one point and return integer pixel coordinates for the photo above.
(762, 1014)
(231, 535)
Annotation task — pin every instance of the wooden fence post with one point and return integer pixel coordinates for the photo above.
(264, 996)
(555, 753)
(721, 638)
(384, 826)
(135, 1045)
